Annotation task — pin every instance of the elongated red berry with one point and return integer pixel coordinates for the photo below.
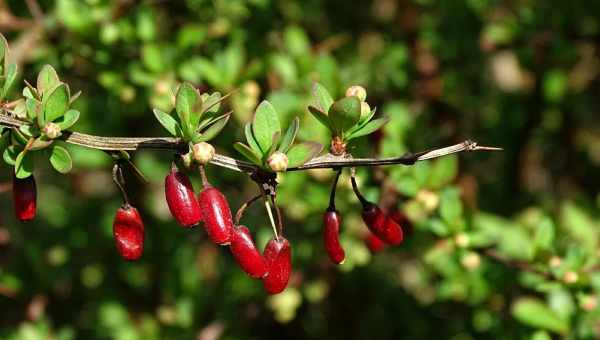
(24, 197)
(216, 215)
(403, 221)
(181, 199)
(381, 225)
(278, 256)
(128, 231)
(374, 243)
(245, 253)
(331, 236)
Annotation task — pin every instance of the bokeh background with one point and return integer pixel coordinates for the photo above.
(503, 245)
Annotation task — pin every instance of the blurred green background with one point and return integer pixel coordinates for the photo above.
(505, 244)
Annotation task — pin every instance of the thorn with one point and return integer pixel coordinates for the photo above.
(487, 148)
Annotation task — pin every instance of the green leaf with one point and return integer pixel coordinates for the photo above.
(544, 235)
(535, 313)
(247, 152)
(11, 74)
(344, 113)
(322, 98)
(60, 159)
(321, 117)
(451, 208)
(265, 124)
(369, 128)
(167, 121)
(288, 139)
(443, 171)
(30, 91)
(187, 99)
(29, 130)
(55, 102)
(10, 154)
(24, 164)
(3, 50)
(33, 107)
(47, 79)
(250, 139)
(211, 103)
(213, 130)
(69, 119)
(302, 153)
(39, 143)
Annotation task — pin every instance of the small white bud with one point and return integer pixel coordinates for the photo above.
(187, 160)
(278, 161)
(357, 91)
(555, 262)
(365, 109)
(471, 261)
(203, 152)
(462, 240)
(570, 277)
(52, 130)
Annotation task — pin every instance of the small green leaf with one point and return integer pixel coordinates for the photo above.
(3, 50)
(69, 119)
(29, 130)
(187, 99)
(369, 128)
(344, 113)
(167, 121)
(265, 124)
(290, 135)
(30, 91)
(302, 153)
(24, 164)
(535, 313)
(33, 107)
(10, 154)
(544, 235)
(245, 151)
(213, 130)
(39, 143)
(60, 159)
(11, 74)
(322, 98)
(251, 140)
(321, 117)
(47, 79)
(55, 102)
(211, 103)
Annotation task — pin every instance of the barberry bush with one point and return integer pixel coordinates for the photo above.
(260, 169)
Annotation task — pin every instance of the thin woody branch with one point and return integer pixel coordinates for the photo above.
(176, 144)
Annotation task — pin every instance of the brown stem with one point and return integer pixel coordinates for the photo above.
(176, 144)
(240, 212)
(333, 190)
(205, 182)
(117, 175)
(360, 197)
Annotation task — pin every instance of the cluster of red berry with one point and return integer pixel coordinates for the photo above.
(211, 207)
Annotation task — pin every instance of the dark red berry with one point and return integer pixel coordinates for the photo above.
(374, 218)
(374, 243)
(24, 197)
(245, 253)
(331, 236)
(278, 256)
(403, 221)
(393, 232)
(128, 231)
(181, 199)
(216, 215)
(381, 225)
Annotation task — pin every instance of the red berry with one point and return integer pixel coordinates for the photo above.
(181, 199)
(374, 243)
(381, 225)
(216, 215)
(403, 221)
(278, 256)
(331, 236)
(393, 232)
(128, 231)
(245, 253)
(24, 197)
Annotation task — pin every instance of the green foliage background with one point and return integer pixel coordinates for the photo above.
(520, 75)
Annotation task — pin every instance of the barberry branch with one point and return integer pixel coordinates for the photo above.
(176, 144)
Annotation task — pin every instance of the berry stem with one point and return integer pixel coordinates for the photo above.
(270, 213)
(243, 207)
(117, 175)
(333, 190)
(279, 218)
(360, 197)
(203, 176)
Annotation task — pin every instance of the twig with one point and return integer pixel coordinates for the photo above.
(524, 266)
(243, 207)
(176, 144)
